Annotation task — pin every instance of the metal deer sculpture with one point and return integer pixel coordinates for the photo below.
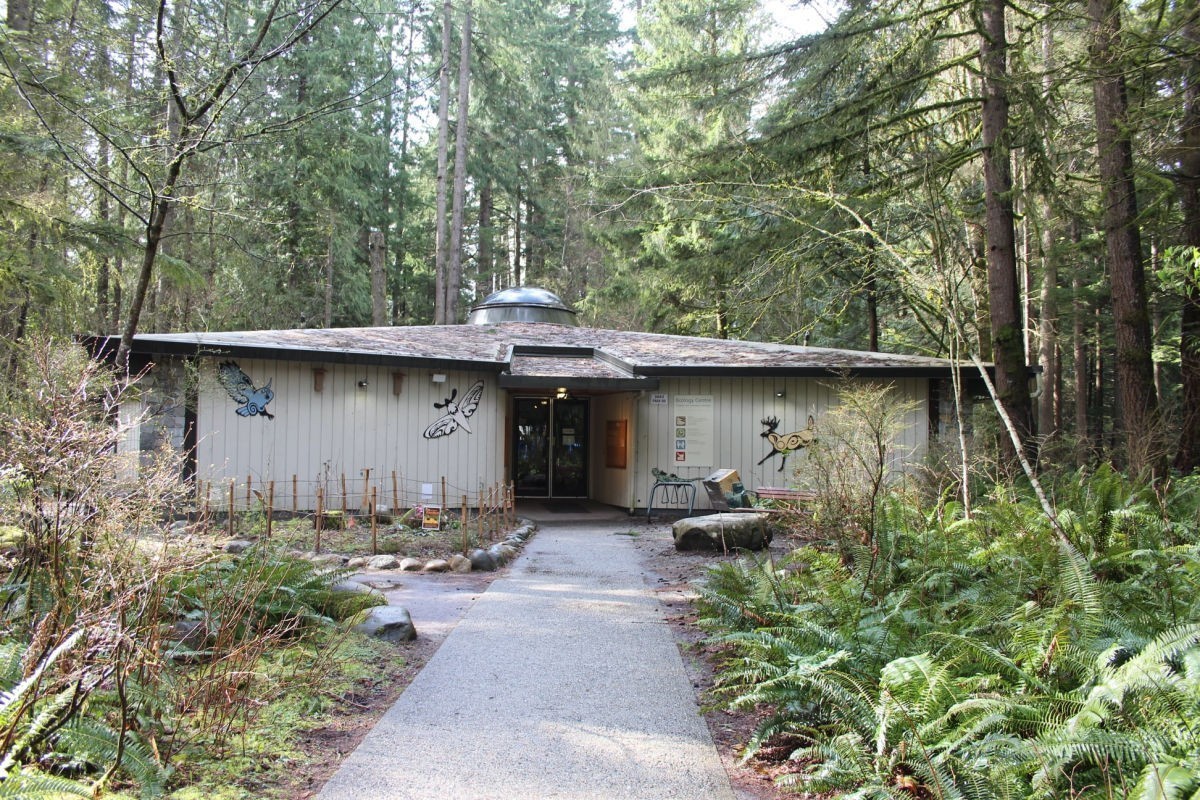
(787, 443)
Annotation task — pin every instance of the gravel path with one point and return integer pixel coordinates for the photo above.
(562, 681)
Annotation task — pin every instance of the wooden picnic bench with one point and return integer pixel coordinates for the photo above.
(788, 498)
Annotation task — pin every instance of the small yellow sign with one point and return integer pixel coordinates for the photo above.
(431, 519)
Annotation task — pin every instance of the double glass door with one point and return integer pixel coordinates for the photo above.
(550, 447)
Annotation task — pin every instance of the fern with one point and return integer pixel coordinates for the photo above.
(31, 785)
(91, 742)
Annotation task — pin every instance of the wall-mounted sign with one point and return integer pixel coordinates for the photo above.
(658, 399)
(693, 430)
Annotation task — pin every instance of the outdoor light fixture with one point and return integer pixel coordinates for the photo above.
(362, 384)
(780, 393)
(561, 393)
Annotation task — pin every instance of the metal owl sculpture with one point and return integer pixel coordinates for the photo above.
(457, 413)
(253, 399)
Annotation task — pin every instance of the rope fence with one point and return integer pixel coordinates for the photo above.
(338, 502)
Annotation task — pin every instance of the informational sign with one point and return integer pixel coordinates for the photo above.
(693, 430)
(431, 519)
(658, 399)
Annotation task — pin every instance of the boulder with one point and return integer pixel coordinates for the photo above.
(383, 562)
(389, 623)
(503, 553)
(355, 588)
(437, 565)
(723, 532)
(411, 564)
(358, 562)
(236, 546)
(460, 563)
(482, 560)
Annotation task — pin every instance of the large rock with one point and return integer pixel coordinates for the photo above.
(460, 563)
(723, 532)
(482, 560)
(383, 562)
(389, 623)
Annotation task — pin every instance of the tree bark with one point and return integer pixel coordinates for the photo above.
(19, 16)
(376, 253)
(1004, 301)
(1187, 457)
(441, 243)
(1131, 314)
(455, 270)
(484, 259)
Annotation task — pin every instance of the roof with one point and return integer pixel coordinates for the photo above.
(527, 354)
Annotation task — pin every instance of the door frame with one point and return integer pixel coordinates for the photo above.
(514, 437)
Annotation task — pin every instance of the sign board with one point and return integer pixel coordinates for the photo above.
(431, 520)
(658, 399)
(693, 430)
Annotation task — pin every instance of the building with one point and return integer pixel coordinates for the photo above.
(519, 394)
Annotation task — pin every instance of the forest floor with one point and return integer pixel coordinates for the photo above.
(446, 597)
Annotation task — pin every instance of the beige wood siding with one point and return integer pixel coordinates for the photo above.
(739, 405)
(610, 485)
(343, 430)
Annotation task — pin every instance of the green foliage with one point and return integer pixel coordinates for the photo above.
(977, 658)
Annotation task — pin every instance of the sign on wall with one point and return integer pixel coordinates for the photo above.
(693, 430)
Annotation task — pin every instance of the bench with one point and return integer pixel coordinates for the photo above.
(787, 498)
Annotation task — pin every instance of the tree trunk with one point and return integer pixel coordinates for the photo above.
(400, 287)
(328, 316)
(484, 258)
(19, 16)
(455, 271)
(1131, 316)
(1004, 301)
(1187, 457)
(441, 241)
(376, 254)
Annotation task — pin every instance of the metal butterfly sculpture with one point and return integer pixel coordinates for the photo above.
(241, 388)
(456, 412)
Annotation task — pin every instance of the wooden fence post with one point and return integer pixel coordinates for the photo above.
(320, 517)
(249, 489)
(366, 487)
(374, 527)
(395, 494)
(270, 506)
(295, 493)
(443, 491)
(463, 524)
(343, 498)
(230, 521)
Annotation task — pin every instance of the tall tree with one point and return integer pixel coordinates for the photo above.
(1004, 301)
(1131, 313)
(442, 241)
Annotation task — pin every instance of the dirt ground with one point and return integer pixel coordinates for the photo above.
(436, 603)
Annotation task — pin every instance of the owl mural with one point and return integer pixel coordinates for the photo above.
(253, 400)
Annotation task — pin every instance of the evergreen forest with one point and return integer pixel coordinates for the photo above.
(1014, 184)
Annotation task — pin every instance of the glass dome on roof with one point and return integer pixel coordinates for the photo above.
(522, 304)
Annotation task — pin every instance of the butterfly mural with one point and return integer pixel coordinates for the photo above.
(457, 412)
(253, 399)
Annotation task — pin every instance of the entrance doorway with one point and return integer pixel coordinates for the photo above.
(550, 453)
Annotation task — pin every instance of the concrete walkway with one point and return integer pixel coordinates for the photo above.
(562, 681)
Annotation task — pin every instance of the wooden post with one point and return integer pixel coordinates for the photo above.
(319, 519)
(207, 503)
(374, 527)
(231, 525)
(249, 489)
(270, 506)
(295, 493)
(366, 487)
(343, 498)
(463, 524)
(395, 494)
(443, 491)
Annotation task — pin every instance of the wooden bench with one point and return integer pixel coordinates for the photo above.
(786, 498)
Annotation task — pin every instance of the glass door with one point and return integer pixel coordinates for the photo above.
(550, 453)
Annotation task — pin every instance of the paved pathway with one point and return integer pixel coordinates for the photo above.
(562, 681)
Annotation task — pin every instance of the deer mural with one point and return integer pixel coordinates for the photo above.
(785, 444)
